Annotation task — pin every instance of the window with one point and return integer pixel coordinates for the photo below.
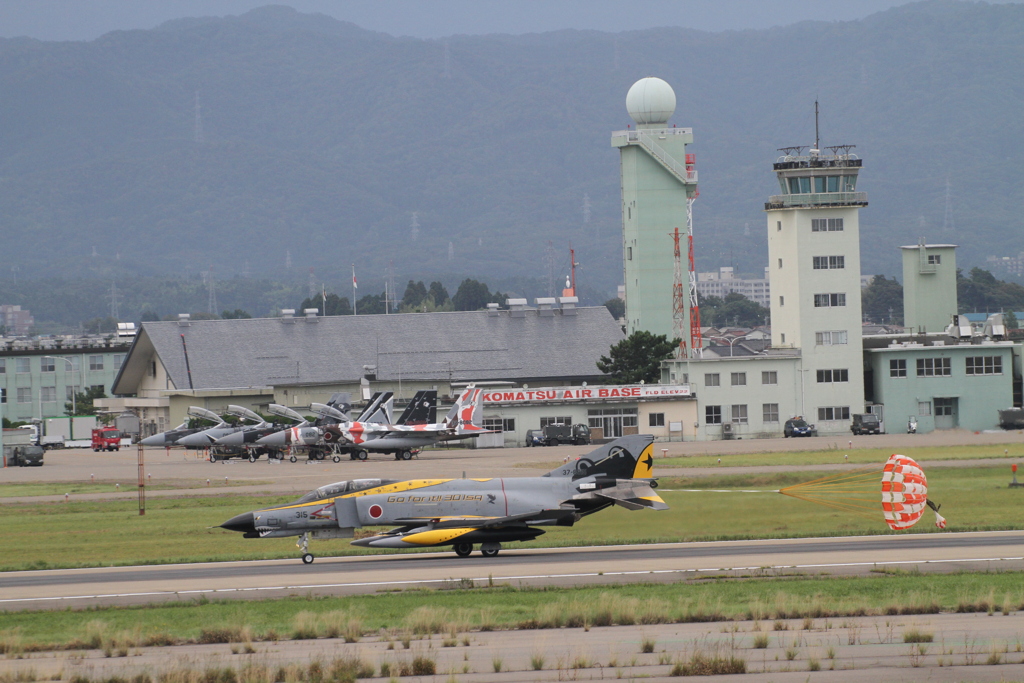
(924, 407)
(836, 375)
(70, 391)
(934, 367)
(738, 379)
(118, 359)
(770, 412)
(75, 364)
(769, 377)
(944, 406)
(713, 415)
(47, 364)
(95, 362)
(829, 300)
(712, 379)
(782, 301)
(830, 337)
(898, 368)
(545, 421)
(833, 184)
(739, 414)
(23, 365)
(499, 424)
(832, 413)
(24, 394)
(934, 260)
(783, 338)
(819, 183)
(780, 263)
(3, 395)
(829, 262)
(152, 368)
(826, 224)
(48, 394)
(984, 365)
(3, 366)
(629, 253)
(656, 419)
(778, 226)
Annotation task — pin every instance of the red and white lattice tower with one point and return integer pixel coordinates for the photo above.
(678, 299)
(696, 341)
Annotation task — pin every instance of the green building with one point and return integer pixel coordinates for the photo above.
(929, 287)
(659, 182)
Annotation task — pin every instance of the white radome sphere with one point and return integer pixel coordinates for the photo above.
(651, 100)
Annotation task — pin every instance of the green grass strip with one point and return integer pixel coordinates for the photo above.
(487, 608)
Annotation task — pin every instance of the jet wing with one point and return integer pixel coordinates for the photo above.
(557, 516)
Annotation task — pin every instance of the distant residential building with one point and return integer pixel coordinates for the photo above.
(16, 321)
(725, 282)
(1014, 265)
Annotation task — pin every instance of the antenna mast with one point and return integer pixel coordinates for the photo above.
(816, 124)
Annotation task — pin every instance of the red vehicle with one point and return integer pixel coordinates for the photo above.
(106, 439)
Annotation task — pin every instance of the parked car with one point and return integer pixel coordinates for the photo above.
(797, 426)
(866, 423)
(555, 434)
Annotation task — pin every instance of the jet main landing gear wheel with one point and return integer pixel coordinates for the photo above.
(362, 454)
(490, 549)
(336, 458)
(463, 549)
(406, 455)
(303, 543)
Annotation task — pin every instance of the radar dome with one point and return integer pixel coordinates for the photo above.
(651, 100)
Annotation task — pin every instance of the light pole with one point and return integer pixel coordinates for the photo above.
(731, 341)
(71, 366)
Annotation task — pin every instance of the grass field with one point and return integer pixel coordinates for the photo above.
(39, 488)
(504, 607)
(101, 533)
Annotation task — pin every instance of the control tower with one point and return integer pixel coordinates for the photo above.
(659, 182)
(814, 266)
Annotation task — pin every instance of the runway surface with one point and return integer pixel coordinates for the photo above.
(938, 552)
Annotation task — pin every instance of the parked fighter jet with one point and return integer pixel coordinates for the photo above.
(171, 436)
(209, 437)
(461, 422)
(464, 512)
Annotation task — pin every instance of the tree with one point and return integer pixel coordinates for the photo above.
(237, 314)
(473, 295)
(371, 304)
(100, 325)
(333, 305)
(148, 315)
(981, 292)
(439, 294)
(637, 357)
(617, 307)
(83, 402)
(415, 293)
(1010, 320)
(882, 300)
(738, 310)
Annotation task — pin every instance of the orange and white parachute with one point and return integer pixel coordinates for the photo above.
(904, 492)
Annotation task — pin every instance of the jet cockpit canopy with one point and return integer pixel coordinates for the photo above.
(341, 488)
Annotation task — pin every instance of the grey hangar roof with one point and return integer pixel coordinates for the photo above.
(454, 346)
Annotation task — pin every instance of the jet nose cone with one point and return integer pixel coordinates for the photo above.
(236, 439)
(243, 523)
(155, 440)
(277, 439)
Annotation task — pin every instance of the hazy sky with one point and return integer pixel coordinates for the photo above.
(87, 19)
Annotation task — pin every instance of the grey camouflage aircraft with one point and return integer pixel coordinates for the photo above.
(464, 512)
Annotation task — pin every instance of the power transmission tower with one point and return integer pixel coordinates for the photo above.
(390, 284)
(288, 259)
(549, 263)
(211, 303)
(414, 226)
(947, 221)
(199, 122)
(451, 251)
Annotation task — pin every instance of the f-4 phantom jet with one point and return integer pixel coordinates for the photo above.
(464, 512)
(172, 436)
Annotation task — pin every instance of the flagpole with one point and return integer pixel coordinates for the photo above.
(354, 286)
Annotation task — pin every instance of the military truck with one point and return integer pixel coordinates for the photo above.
(556, 434)
(23, 456)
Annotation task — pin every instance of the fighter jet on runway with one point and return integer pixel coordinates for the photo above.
(171, 436)
(461, 422)
(464, 512)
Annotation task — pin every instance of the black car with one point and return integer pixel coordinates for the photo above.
(797, 426)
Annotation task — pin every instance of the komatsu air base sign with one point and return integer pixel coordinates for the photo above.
(598, 393)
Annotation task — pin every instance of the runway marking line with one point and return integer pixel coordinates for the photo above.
(505, 578)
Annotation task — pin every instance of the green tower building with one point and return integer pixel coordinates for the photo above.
(929, 286)
(659, 182)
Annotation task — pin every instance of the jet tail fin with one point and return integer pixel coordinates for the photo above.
(628, 457)
(422, 409)
(465, 415)
(379, 408)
